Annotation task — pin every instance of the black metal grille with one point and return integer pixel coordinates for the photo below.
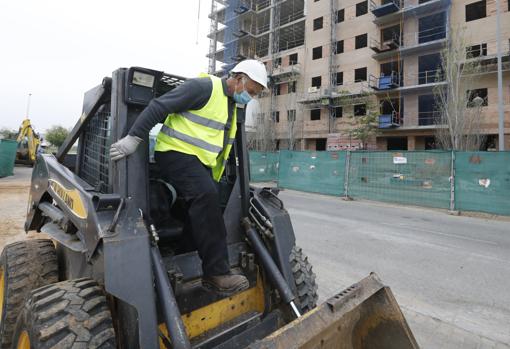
(96, 145)
(168, 82)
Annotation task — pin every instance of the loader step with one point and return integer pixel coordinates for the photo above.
(239, 332)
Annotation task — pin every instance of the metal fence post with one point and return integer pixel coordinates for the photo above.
(278, 168)
(452, 183)
(346, 176)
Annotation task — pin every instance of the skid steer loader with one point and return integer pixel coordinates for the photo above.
(115, 273)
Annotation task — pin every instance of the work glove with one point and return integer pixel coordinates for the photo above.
(124, 147)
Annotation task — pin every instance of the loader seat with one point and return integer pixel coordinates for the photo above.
(162, 198)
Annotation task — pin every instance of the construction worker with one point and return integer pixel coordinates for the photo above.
(199, 125)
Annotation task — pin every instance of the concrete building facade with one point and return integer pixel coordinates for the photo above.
(331, 60)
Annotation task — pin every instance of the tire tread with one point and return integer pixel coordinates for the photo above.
(70, 314)
(27, 264)
(304, 279)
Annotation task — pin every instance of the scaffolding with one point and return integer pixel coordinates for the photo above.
(243, 29)
(274, 39)
(337, 96)
(213, 38)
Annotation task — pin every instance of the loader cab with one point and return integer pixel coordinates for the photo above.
(134, 182)
(127, 93)
(124, 198)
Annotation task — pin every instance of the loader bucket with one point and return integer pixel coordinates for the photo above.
(363, 316)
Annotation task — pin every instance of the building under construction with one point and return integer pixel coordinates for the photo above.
(331, 61)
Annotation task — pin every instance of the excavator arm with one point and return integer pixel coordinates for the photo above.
(28, 142)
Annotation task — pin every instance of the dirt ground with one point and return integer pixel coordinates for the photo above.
(13, 205)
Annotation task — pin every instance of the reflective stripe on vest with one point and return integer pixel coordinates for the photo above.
(191, 140)
(207, 133)
(203, 121)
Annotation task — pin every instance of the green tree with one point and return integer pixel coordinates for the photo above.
(56, 135)
(6, 133)
(363, 127)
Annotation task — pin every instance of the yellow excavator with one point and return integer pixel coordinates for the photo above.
(28, 143)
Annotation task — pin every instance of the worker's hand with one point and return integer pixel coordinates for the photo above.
(124, 147)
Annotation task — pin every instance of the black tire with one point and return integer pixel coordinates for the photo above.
(69, 314)
(304, 278)
(24, 266)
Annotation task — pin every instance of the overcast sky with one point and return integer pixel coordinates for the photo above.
(58, 49)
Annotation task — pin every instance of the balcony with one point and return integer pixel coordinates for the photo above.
(489, 63)
(232, 53)
(315, 95)
(392, 120)
(423, 81)
(239, 33)
(410, 43)
(348, 93)
(430, 119)
(430, 76)
(324, 95)
(386, 7)
(385, 46)
(282, 73)
(229, 12)
(388, 13)
(385, 82)
(427, 39)
(242, 8)
(238, 38)
(227, 35)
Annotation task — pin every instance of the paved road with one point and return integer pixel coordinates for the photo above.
(450, 274)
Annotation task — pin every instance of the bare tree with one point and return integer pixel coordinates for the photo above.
(263, 137)
(458, 105)
(292, 128)
(260, 128)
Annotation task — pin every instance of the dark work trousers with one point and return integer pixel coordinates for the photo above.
(193, 181)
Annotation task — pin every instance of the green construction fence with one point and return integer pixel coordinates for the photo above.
(416, 178)
(263, 166)
(482, 182)
(479, 181)
(7, 156)
(317, 172)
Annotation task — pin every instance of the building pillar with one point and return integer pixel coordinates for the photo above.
(302, 144)
(382, 143)
(507, 142)
(411, 142)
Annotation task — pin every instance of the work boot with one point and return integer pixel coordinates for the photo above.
(226, 284)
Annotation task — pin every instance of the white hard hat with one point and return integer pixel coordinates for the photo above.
(255, 70)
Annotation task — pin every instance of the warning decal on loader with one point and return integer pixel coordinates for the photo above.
(71, 197)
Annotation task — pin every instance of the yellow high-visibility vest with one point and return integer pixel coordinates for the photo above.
(201, 132)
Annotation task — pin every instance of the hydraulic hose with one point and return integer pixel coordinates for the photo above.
(270, 266)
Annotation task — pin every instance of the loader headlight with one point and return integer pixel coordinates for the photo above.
(143, 79)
